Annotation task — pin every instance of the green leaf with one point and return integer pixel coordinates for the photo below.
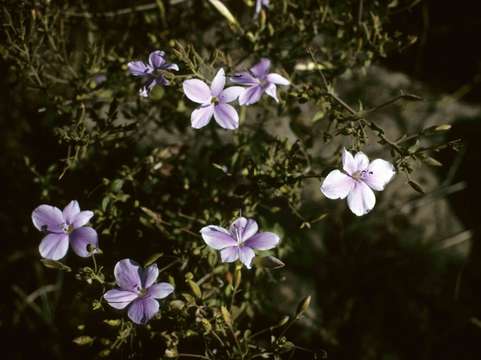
(83, 340)
(226, 315)
(113, 322)
(271, 262)
(195, 288)
(225, 12)
(53, 264)
(153, 258)
(303, 305)
(416, 186)
(431, 161)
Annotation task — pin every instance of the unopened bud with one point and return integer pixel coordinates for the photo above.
(283, 321)
(303, 306)
(444, 127)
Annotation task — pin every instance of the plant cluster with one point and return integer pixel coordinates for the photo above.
(165, 182)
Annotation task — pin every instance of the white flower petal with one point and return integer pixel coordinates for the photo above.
(229, 254)
(149, 275)
(361, 199)
(119, 299)
(160, 290)
(217, 237)
(277, 79)
(243, 229)
(230, 94)
(70, 211)
(271, 90)
(48, 218)
(226, 116)
(379, 173)
(246, 254)
(218, 83)
(337, 185)
(361, 160)
(54, 246)
(348, 163)
(201, 116)
(197, 91)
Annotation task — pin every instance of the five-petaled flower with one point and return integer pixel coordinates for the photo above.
(137, 290)
(259, 4)
(258, 81)
(359, 177)
(239, 241)
(63, 227)
(214, 101)
(152, 71)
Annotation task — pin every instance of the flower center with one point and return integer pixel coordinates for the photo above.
(142, 292)
(361, 175)
(214, 100)
(237, 235)
(68, 228)
(91, 248)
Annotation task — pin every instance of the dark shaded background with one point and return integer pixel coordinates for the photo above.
(447, 58)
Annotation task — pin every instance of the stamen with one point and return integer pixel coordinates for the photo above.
(68, 228)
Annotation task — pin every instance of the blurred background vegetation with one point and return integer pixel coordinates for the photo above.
(400, 283)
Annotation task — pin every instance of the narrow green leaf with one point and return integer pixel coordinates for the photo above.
(226, 315)
(416, 186)
(225, 12)
(195, 288)
(83, 340)
(53, 264)
(153, 258)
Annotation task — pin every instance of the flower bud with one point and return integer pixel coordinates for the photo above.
(303, 306)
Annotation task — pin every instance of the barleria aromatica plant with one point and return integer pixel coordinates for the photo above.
(213, 176)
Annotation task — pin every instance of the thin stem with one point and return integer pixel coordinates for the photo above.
(287, 327)
(302, 177)
(205, 278)
(360, 11)
(232, 298)
(236, 341)
(262, 355)
(218, 338)
(334, 96)
(95, 263)
(169, 265)
(342, 103)
(270, 328)
(125, 11)
(411, 97)
(192, 356)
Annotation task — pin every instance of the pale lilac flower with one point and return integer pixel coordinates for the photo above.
(259, 4)
(357, 180)
(137, 290)
(258, 81)
(240, 241)
(152, 71)
(214, 101)
(63, 227)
